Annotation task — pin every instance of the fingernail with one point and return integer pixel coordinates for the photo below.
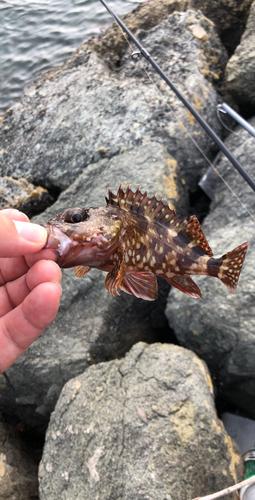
(31, 232)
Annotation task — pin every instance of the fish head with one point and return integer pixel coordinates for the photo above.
(82, 236)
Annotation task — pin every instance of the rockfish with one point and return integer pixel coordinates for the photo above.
(135, 238)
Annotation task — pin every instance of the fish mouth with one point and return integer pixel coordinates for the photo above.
(74, 249)
(70, 253)
(55, 236)
(60, 243)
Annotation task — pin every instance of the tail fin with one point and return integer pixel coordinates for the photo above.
(231, 265)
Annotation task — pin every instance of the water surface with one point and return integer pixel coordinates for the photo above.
(36, 35)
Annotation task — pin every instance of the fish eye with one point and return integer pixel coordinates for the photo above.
(76, 218)
(76, 215)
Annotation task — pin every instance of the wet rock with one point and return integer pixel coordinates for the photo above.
(221, 327)
(20, 194)
(77, 114)
(240, 70)
(18, 469)
(142, 427)
(92, 326)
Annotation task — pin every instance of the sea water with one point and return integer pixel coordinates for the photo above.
(36, 35)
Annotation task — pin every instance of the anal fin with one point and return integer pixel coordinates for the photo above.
(186, 285)
(81, 270)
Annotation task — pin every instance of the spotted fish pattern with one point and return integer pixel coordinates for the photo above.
(135, 238)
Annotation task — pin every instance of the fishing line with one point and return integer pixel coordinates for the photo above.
(181, 125)
(135, 55)
(186, 103)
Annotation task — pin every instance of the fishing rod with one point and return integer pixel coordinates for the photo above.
(224, 108)
(202, 122)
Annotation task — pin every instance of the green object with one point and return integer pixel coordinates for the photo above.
(248, 492)
(249, 462)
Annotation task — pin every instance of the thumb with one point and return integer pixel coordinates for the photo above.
(19, 237)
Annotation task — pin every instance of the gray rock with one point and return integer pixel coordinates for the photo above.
(221, 327)
(91, 325)
(24, 196)
(140, 428)
(85, 110)
(112, 45)
(229, 17)
(18, 466)
(240, 70)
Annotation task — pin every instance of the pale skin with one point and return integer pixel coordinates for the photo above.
(30, 287)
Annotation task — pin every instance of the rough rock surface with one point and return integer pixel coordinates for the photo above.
(229, 17)
(20, 194)
(18, 469)
(140, 428)
(221, 328)
(75, 115)
(91, 325)
(240, 70)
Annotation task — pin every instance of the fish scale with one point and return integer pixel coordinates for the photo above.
(135, 238)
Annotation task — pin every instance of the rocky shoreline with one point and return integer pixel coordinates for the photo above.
(135, 419)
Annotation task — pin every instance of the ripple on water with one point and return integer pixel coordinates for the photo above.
(35, 36)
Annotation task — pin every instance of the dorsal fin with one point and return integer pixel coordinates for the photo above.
(138, 202)
(153, 209)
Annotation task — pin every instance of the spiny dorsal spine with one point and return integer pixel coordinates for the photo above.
(156, 210)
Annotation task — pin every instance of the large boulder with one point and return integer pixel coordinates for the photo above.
(91, 325)
(140, 428)
(86, 110)
(240, 70)
(221, 328)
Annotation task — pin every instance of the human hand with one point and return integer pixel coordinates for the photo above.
(29, 284)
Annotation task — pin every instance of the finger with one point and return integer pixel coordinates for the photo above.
(20, 238)
(14, 214)
(15, 292)
(12, 268)
(46, 254)
(20, 327)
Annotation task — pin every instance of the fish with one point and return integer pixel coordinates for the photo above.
(134, 239)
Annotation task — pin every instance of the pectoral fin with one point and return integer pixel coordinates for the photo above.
(143, 285)
(116, 276)
(111, 282)
(186, 285)
(81, 270)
